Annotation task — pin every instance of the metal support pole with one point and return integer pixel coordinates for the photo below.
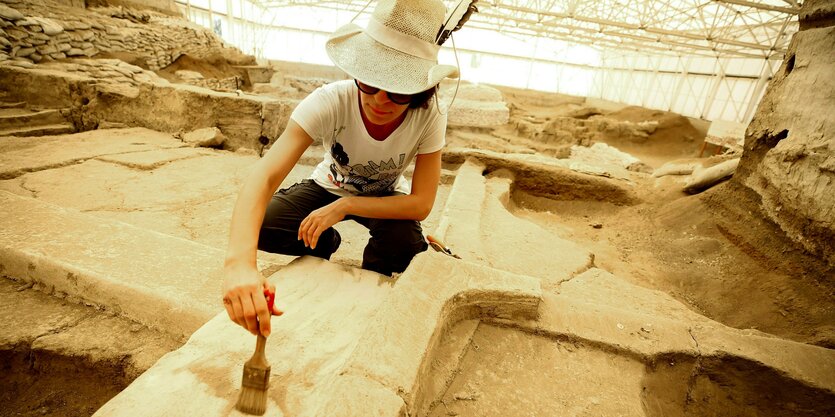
(211, 18)
(753, 101)
(625, 88)
(651, 81)
(720, 76)
(531, 61)
(765, 75)
(230, 18)
(677, 91)
(601, 79)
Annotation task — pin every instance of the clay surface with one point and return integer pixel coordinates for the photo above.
(589, 282)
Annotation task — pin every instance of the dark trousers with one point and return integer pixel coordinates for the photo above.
(392, 245)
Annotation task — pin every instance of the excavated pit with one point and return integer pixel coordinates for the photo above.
(510, 372)
(702, 250)
(38, 383)
(677, 385)
(65, 359)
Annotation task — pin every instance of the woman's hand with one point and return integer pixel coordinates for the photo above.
(320, 220)
(243, 298)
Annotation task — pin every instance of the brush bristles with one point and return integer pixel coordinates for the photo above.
(252, 401)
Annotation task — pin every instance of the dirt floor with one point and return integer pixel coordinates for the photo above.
(43, 385)
(709, 250)
(70, 358)
(713, 251)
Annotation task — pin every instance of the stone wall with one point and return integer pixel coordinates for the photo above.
(45, 60)
(155, 104)
(789, 154)
(578, 131)
(474, 105)
(163, 6)
(304, 70)
(34, 32)
(225, 84)
(73, 3)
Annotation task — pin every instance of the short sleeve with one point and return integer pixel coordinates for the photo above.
(316, 113)
(435, 137)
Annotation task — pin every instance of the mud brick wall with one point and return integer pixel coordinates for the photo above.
(34, 32)
(226, 84)
(789, 154)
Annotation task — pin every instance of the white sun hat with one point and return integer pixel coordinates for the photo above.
(396, 52)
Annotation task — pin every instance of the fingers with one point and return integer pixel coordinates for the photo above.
(234, 309)
(303, 230)
(247, 307)
(276, 310)
(249, 315)
(230, 310)
(309, 232)
(245, 302)
(238, 312)
(313, 236)
(262, 314)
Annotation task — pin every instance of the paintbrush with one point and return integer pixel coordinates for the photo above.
(256, 379)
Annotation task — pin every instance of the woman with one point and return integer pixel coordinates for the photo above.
(372, 128)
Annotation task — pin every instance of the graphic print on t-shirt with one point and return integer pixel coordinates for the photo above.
(371, 178)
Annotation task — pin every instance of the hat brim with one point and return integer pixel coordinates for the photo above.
(379, 66)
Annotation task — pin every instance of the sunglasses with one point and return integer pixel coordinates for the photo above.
(394, 97)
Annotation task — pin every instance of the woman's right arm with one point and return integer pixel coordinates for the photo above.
(243, 285)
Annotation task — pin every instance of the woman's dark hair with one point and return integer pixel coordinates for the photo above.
(422, 99)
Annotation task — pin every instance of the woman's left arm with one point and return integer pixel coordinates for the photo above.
(415, 206)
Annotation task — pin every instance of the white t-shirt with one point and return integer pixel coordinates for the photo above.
(354, 162)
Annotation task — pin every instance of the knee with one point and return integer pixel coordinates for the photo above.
(399, 236)
(287, 243)
(392, 246)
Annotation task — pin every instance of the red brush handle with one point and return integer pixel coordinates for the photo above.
(270, 296)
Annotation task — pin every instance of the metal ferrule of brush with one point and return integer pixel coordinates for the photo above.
(256, 378)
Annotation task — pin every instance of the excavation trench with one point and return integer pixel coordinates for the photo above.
(62, 358)
(504, 371)
(40, 383)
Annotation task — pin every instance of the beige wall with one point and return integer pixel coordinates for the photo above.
(789, 157)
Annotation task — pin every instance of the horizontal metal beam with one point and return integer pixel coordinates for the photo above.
(649, 41)
(291, 3)
(761, 6)
(606, 68)
(642, 45)
(714, 47)
(630, 26)
(590, 40)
